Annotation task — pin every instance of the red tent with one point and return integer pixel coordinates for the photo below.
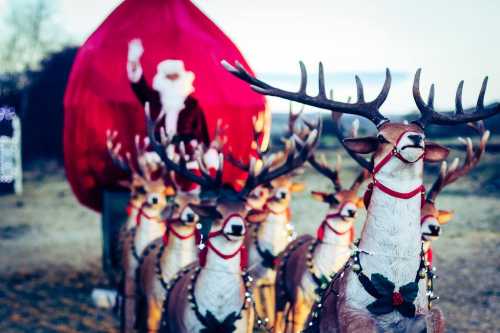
(98, 96)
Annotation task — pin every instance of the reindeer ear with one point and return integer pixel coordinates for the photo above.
(435, 152)
(319, 196)
(360, 203)
(256, 216)
(444, 216)
(206, 212)
(297, 187)
(169, 191)
(364, 145)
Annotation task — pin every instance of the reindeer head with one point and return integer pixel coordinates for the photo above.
(181, 215)
(281, 193)
(343, 203)
(433, 218)
(258, 197)
(224, 216)
(406, 142)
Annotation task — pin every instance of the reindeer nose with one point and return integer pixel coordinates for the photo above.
(435, 230)
(237, 229)
(416, 139)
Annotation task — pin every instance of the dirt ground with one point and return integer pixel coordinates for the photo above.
(50, 253)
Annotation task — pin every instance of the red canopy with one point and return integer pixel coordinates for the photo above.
(99, 97)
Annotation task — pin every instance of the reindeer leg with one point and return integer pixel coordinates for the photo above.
(154, 315)
(279, 322)
(270, 294)
(301, 310)
(259, 301)
(128, 321)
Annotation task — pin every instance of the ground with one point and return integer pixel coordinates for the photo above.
(50, 253)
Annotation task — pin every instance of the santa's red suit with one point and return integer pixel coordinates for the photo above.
(191, 123)
(169, 97)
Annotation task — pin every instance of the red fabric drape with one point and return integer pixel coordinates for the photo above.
(99, 97)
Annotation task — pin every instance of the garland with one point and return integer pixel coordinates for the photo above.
(382, 289)
(133, 231)
(159, 271)
(322, 281)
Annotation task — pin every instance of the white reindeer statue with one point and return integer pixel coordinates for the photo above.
(383, 288)
(147, 224)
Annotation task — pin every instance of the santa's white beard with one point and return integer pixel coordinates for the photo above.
(172, 97)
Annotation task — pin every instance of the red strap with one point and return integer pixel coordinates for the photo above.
(385, 189)
(320, 233)
(392, 153)
(202, 256)
(400, 195)
(171, 230)
(242, 250)
(428, 255)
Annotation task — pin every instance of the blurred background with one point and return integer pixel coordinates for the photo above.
(50, 245)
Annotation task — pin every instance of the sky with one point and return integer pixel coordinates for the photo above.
(450, 40)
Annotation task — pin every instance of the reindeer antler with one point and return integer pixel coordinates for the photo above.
(259, 173)
(294, 158)
(258, 128)
(430, 116)
(369, 110)
(179, 166)
(114, 151)
(454, 172)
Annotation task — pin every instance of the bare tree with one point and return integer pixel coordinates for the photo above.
(31, 32)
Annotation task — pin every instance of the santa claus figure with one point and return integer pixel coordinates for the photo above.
(169, 97)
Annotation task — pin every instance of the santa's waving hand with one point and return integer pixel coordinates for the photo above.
(135, 51)
(170, 96)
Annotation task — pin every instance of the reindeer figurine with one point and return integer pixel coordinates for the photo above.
(215, 295)
(135, 184)
(165, 257)
(432, 218)
(177, 248)
(269, 227)
(149, 226)
(308, 262)
(383, 287)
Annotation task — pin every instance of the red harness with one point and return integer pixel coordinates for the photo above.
(171, 230)
(320, 233)
(375, 183)
(130, 207)
(208, 245)
(140, 214)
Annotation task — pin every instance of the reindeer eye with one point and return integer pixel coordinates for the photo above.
(140, 190)
(153, 199)
(381, 139)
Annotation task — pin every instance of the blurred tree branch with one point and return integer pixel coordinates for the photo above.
(31, 32)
